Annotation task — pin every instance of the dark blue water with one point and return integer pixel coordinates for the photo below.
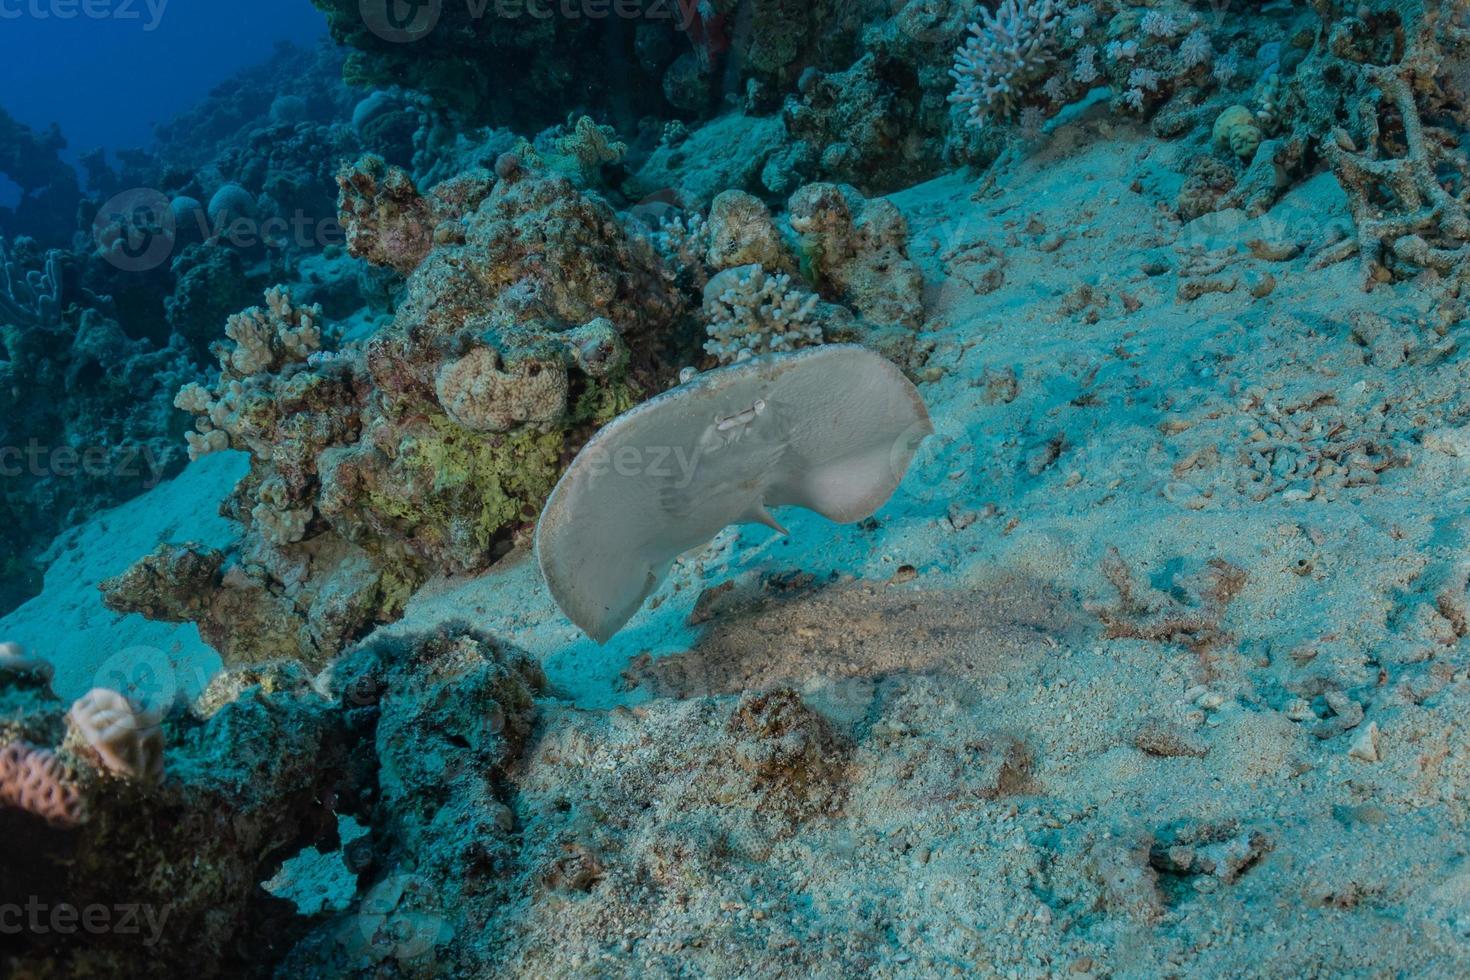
(108, 77)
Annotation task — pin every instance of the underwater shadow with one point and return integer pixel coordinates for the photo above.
(792, 631)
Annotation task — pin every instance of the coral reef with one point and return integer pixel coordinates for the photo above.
(429, 445)
(264, 765)
(85, 419)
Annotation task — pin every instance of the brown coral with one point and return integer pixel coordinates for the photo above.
(857, 251)
(34, 780)
(386, 219)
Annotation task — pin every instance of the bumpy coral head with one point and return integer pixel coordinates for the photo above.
(125, 738)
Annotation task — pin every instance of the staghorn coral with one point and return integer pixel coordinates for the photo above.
(1009, 49)
(124, 736)
(748, 311)
(32, 161)
(1427, 224)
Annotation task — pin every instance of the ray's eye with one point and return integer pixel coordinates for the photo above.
(740, 418)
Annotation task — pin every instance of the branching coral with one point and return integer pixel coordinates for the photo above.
(265, 341)
(1009, 49)
(1426, 224)
(749, 311)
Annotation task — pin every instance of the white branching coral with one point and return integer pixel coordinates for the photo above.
(681, 241)
(1159, 24)
(1007, 51)
(1144, 78)
(749, 311)
(266, 339)
(1085, 69)
(1226, 68)
(1196, 49)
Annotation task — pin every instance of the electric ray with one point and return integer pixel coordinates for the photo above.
(832, 429)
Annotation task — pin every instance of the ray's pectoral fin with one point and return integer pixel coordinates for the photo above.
(845, 490)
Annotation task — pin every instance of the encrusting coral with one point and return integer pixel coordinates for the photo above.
(856, 251)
